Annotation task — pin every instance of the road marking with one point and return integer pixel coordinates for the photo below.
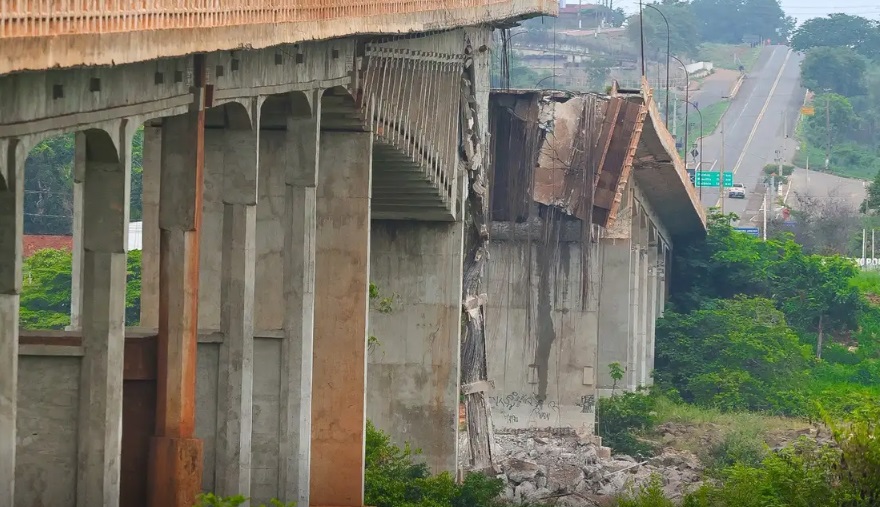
(752, 95)
(758, 120)
(742, 154)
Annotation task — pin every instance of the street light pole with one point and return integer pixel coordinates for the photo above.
(687, 91)
(642, 37)
(668, 37)
(701, 145)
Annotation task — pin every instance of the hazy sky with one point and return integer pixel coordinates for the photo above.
(800, 9)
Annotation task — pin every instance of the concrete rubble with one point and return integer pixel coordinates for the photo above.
(573, 471)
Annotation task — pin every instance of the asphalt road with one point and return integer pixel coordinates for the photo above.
(824, 186)
(751, 131)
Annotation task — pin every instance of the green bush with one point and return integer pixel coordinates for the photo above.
(733, 354)
(648, 495)
(741, 446)
(394, 479)
(622, 417)
(212, 500)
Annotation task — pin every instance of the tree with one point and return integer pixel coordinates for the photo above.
(825, 225)
(48, 203)
(738, 21)
(48, 186)
(46, 291)
(684, 37)
(839, 116)
(813, 292)
(839, 30)
(839, 69)
(816, 295)
(735, 354)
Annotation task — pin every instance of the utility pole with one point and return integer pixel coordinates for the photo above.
(764, 229)
(721, 168)
(828, 130)
(675, 118)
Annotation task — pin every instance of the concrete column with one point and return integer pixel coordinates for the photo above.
(79, 171)
(635, 299)
(414, 372)
(12, 157)
(644, 301)
(614, 308)
(342, 264)
(175, 455)
(152, 165)
(654, 302)
(652, 297)
(299, 299)
(240, 155)
(106, 195)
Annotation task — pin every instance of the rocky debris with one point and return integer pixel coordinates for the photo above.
(569, 471)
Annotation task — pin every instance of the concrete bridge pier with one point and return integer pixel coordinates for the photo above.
(235, 148)
(175, 452)
(12, 157)
(342, 263)
(106, 194)
(414, 365)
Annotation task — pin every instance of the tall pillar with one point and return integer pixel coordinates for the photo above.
(644, 301)
(106, 194)
(175, 454)
(12, 157)
(79, 171)
(152, 164)
(301, 174)
(614, 308)
(653, 239)
(240, 155)
(653, 301)
(342, 261)
(635, 299)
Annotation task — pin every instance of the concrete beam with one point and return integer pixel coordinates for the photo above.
(342, 266)
(12, 157)
(106, 193)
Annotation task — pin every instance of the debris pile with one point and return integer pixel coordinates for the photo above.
(569, 471)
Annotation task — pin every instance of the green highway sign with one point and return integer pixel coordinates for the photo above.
(711, 179)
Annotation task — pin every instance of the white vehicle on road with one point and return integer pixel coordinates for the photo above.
(737, 191)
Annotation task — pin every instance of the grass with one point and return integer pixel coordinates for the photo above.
(712, 115)
(868, 282)
(724, 55)
(721, 438)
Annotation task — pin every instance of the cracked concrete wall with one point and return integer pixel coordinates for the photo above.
(541, 340)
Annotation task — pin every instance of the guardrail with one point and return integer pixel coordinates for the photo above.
(41, 18)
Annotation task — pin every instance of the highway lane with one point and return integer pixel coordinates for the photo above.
(752, 129)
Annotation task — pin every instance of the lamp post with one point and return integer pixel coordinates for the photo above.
(668, 36)
(642, 37)
(687, 97)
(700, 166)
(544, 79)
